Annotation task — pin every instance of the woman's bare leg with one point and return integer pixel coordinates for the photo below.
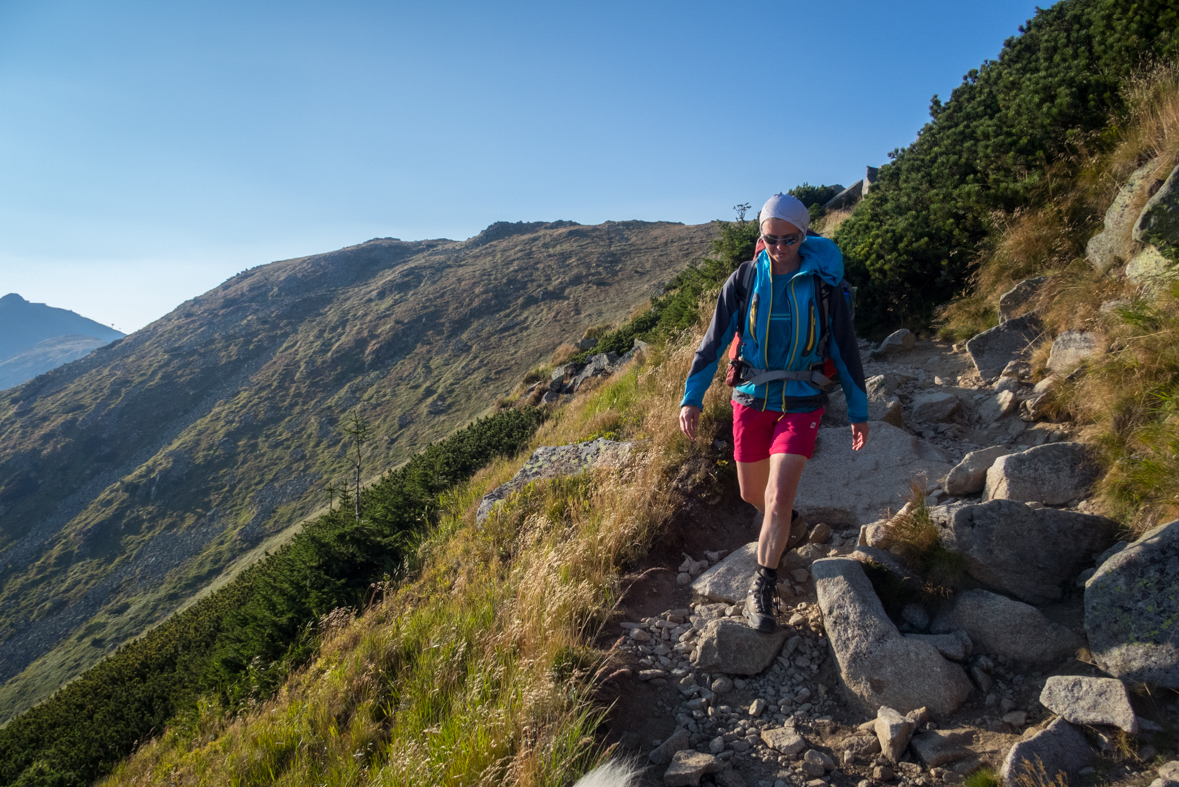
(753, 477)
(784, 473)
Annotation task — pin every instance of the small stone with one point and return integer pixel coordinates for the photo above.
(1016, 718)
(688, 766)
(664, 752)
(640, 635)
(683, 578)
(757, 708)
(722, 684)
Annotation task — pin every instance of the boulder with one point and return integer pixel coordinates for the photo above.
(730, 646)
(1150, 270)
(1052, 474)
(992, 350)
(936, 749)
(1059, 751)
(897, 342)
(1081, 700)
(934, 407)
(893, 731)
(1018, 296)
(784, 740)
(600, 365)
(1004, 627)
(1111, 247)
(1070, 348)
(1031, 553)
(1132, 610)
(663, 753)
(1001, 404)
(688, 766)
(876, 534)
(728, 580)
(555, 461)
(970, 475)
(883, 404)
(845, 487)
(877, 665)
(1158, 224)
(952, 647)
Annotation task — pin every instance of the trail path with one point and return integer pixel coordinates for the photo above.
(658, 694)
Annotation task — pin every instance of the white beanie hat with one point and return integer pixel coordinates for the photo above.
(784, 206)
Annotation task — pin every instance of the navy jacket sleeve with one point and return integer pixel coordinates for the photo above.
(715, 342)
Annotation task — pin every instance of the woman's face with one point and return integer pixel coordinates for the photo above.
(785, 258)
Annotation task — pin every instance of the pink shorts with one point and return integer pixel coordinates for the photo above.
(757, 434)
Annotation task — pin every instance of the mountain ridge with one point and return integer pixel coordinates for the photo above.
(134, 477)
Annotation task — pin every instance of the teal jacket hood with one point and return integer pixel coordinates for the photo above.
(821, 256)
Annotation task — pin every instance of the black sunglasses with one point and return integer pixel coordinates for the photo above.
(780, 240)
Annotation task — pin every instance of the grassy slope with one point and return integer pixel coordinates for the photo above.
(133, 478)
(1128, 395)
(478, 671)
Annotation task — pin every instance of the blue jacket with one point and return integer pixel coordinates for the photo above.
(785, 335)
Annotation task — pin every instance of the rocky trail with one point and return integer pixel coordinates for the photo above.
(1030, 663)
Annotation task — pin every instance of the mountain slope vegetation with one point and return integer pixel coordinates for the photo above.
(990, 149)
(135, 477)
(476, 662)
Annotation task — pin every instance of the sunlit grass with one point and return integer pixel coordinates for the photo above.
(480, 669)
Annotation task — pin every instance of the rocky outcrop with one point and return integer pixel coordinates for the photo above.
(1158, 224)
(1003, 627)
(1150, 270)
(970, 475)
(934, 406)
(841, 486)
(877, 665)
(1082, 700)
(1112, 246)
(1018, 296)
(1053, 474)
(554, 461)
(1059, 751)
(900, 341)
(1070, 348)
(992, 350)
(1132, 610)
(1028, 552)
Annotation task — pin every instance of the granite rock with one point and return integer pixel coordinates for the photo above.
(1132, 610)
(1031, 553)
(877, 665)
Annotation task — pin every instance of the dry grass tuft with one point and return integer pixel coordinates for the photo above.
(914, 538)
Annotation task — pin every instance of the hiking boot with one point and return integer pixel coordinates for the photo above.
(761, 603)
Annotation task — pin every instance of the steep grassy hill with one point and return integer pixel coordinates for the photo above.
(137, 476)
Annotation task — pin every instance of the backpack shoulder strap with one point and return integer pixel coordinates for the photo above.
(747, 271)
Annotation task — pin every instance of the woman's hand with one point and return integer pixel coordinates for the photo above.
(859, 435)
(689, 420)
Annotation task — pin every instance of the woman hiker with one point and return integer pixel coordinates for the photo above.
(779, 397)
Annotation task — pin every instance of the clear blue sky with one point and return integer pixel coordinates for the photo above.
(151, 150)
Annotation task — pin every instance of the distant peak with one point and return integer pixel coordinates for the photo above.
(12, 298)
(505, 229)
